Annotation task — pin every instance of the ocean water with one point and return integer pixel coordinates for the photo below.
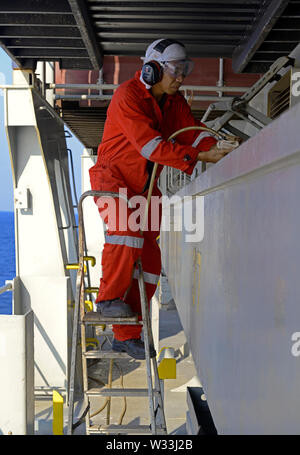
(7, 258)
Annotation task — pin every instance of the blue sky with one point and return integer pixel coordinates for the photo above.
(6, 185)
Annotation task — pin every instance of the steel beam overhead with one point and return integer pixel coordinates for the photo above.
(245, 31)
(36, 32)
(51, 53)
(37, 20)
(35, 7)
(84, 24)
(245, 51)
(58, 43)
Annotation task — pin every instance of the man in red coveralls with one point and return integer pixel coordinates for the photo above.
(143, 113)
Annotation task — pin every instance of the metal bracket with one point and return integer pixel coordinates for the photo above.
(21, 197)
(239, 105)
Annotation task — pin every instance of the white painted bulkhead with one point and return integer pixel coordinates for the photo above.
(44, 229)
(237, 289)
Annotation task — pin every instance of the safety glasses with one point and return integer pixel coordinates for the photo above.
(178, 68)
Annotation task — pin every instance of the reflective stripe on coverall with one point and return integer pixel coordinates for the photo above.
(135, 135)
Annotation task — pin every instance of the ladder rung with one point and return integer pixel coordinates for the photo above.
(123, 429)
(92, 317)
(118, 392)
(106, 355)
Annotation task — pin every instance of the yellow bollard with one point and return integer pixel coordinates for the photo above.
(166, 363)
(58, 415)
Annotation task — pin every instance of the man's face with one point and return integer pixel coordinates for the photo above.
(169, 84)
(174, 73)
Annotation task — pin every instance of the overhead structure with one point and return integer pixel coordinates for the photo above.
(262, 26)
(79, 33)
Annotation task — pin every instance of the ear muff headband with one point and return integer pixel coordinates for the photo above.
(162, 45)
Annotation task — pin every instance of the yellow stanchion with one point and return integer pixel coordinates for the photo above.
(58, 414)
(166, 363)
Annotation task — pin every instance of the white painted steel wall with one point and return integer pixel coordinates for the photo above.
(17, 374)
(37, 148)
(237, 291)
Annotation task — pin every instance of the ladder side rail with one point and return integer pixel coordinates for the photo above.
(145, 317)
(148, 338)
(79, 286)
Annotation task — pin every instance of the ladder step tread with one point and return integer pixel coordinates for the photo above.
(106, 355)
(94, 317)
(123, 429)
(118, 392)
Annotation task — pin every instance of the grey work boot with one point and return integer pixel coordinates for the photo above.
(134, 347)
(115, 308)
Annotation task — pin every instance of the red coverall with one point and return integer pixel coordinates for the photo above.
(135, 135)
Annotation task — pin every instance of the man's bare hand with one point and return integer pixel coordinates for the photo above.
(213, 155)
(234, 138)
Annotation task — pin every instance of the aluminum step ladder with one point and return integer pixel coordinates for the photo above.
(83, 319)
